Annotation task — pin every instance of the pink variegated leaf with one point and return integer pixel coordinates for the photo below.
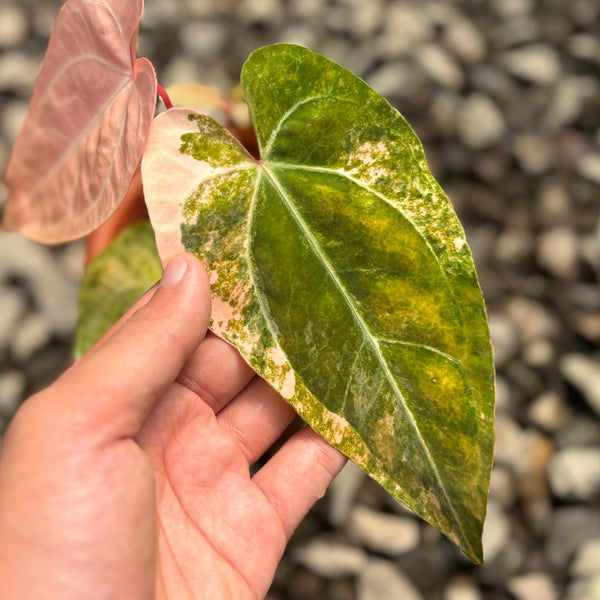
(87, 124)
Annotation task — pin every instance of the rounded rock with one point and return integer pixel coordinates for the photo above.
(382, 579)
(574, 473)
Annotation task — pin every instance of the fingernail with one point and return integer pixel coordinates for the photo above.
(174, 272)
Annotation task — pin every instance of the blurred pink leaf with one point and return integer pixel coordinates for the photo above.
(87, 124)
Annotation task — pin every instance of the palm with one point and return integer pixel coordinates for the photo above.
(215, 523)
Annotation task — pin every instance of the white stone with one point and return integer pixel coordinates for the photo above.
(533, 152)
(587, 560)
(13, 25)
(512, 8)
(532, 319)
(568, 99)
(536, 63)
(203, 39)
(574, 473)
(462, 588)
(394, 78)
(549, 412)
(480, 122)
(496, 531)
(589, 167)
(259, 11)
(342, 492)
(505, 339)
(502, 486)
(465, 40)
(558, 252)
(382, 580)
(18, 71)
(13, 115)
(33, 333)
(584, 374)
(12, 387)
(532, 586)
(330, 560)
(381, 532)
(439, 66)
(586, 588)
(405, 26)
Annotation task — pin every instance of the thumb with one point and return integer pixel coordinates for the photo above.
(119, 383)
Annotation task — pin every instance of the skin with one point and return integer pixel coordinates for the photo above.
(129, 476)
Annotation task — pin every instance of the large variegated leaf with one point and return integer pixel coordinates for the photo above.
(87, 123)
(342, 274)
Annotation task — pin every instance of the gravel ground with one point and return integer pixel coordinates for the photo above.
(505, 95)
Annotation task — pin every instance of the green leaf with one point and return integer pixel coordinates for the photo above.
(341, 272)
(114, 280)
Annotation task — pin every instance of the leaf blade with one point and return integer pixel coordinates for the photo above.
(354, 290)
(87, 124)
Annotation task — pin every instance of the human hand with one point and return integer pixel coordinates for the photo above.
(129, 476)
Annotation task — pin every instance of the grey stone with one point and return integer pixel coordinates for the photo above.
(54, 292)
(585, 588)
(558, 252)
(439, 66)
(382, 579)
(461, 587)
(492, 81)
(509, 9)
(12, 388)
(533, 152)
(533, 586)
(465, 39)
(538, 353)
(584, 374)
(514, 246)
(269, 12)
(395, 79)
(18, 71)
(532, 319)
(549, 412)
(589, 167)
(330, 560)
(13, 115)
(571, 527)
(584, 46)
(587, 560)
(496, 531)
(480, 122)
(13, 25)
(405, 27)
(382, 532)
(502, 486)
(568, 99)
(203, 39)
(536, 63)
(505, 340)
(574, 473)
(33, 334)
(12, 307)
(342, 492)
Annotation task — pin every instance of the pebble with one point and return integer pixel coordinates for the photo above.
(568, 99)
(405, 27)
(18, 72)
(586, 588)
(12, 117)
(382, 532)
(587, 560)
(557, 252)
(12, 389)
(589, 167)
(462, 587)
(532, 319)
(509, 9)
(32, 335)
(533, 586)
(504, 336)
(480, 122)
(266, 12)
(584, 374)
(537, 64)
(203, 39)
(342, 492)
(465, 40)
(571, 527)
(439, 66)
(502, 486)
(574, 473)
(330, 559)
(549, 412)
(533, 152)
(395, 79)
(13, 25)
(382, 579)
(12, 307)
(496, 531)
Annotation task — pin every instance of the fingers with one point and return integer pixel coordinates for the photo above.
(121, 380)
(298, 475)
(257, 418)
